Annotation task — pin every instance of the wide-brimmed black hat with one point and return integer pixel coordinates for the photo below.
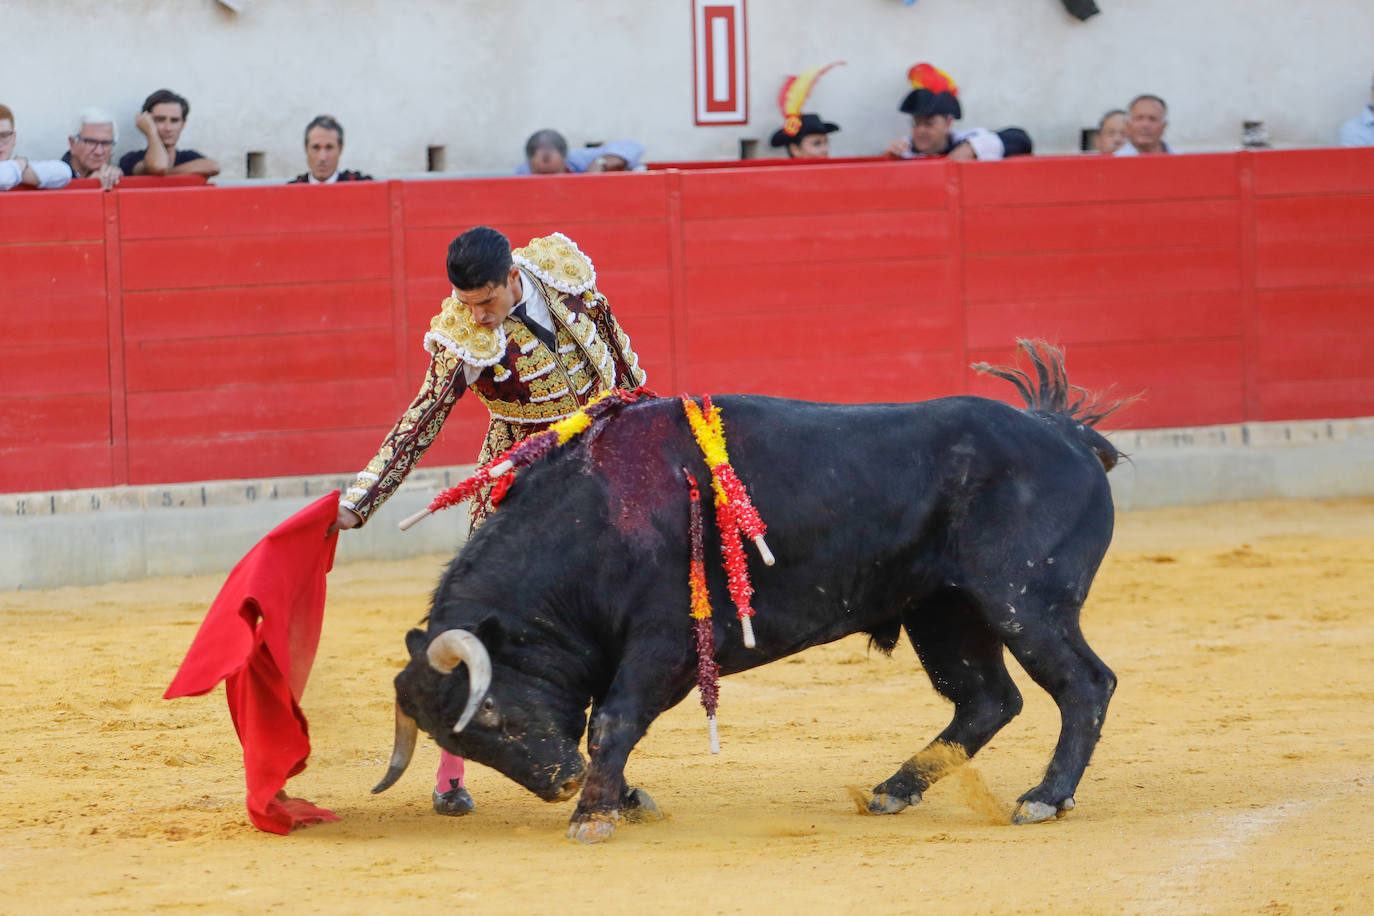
(807, 125)
(920, 103)
(932, 93)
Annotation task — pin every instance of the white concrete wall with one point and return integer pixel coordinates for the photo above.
(477, 76)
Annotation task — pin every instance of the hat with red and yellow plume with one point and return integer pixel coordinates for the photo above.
(795, 90)
(932, 92)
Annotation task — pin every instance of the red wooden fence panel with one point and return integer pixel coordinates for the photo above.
(258, 331)
(1314, 277)
(54, 343)
(1135, 266)
(1313, 171)
(826, 283)
(1098, 179)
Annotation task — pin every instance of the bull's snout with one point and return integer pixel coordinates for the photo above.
(566, 782)
(570, 786)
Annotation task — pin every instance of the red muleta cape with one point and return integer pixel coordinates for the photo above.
(260, 637)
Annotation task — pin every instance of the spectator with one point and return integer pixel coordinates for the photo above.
(17, 170)
(546, 153)
(162, 120)
(324, 140)
(1359, 130)
(616, 156)
(805, 136)
(811, 141)
(1111, 132)
(1145, 127)
(933, 104)
(91, 146)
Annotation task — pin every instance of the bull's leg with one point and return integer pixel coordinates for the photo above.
(636, 805)
(964, 661)
(1059, 660)
(616, 725)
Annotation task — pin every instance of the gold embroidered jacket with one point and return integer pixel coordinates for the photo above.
(524, 385)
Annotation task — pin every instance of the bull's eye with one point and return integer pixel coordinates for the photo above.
(488, 705)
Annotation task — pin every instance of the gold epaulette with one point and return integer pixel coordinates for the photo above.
(454, 330)
(556, 260)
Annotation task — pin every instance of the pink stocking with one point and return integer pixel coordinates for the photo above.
(450, 768)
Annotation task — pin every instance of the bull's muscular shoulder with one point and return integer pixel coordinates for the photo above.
(557, 261)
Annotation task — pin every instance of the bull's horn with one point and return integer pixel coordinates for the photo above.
(401, 752)
(453, 646)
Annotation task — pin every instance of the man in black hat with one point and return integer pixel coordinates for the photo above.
(810, 139)
(933, 104)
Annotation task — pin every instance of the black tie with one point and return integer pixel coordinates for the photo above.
(537, 329)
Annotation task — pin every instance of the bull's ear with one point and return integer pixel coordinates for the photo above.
(417, 643)
(492, 634)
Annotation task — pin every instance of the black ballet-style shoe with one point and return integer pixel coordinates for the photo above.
(455, 802)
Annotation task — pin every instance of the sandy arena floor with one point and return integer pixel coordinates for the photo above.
(1235, 774)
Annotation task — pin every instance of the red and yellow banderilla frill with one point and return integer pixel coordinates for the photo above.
(708, 672)
(735, 512)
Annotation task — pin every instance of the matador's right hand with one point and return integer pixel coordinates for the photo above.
(346, 518)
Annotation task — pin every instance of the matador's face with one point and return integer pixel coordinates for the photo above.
(491, 304)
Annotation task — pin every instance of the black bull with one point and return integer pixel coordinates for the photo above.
(969, 523)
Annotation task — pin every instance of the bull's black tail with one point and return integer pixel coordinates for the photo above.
(1051, 393)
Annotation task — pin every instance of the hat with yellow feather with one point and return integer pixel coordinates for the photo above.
(795, 125)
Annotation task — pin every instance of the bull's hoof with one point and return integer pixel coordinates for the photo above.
(1034, 812)
(640, 807)
(455, 802)
(882, 803)
(595, 828)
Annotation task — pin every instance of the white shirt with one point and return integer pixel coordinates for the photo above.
(1359, 131)
(536, 310)
(985, 143)
(330, 180)
(52, 173)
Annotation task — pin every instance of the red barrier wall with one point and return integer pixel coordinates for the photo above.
(161, 335)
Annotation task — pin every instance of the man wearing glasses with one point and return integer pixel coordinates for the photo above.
(91, 146)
